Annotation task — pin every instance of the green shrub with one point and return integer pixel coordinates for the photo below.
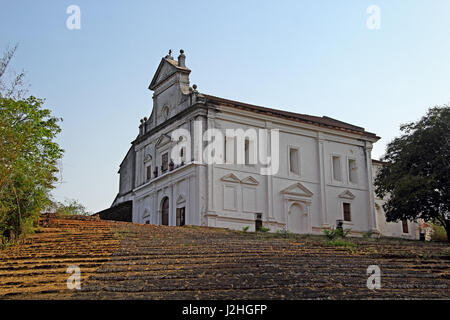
(329, 233)
(264, 229)
(367, 235)
(284, 233)
(245, 229)
(341, 243)
(342, 233)
(333, 233)
(438, 233)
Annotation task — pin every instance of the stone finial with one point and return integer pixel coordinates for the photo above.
(141, 127)
(182, 59)
(169, 55)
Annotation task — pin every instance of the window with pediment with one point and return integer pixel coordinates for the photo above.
(347, 211)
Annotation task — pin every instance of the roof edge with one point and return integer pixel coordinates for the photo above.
(315, 120)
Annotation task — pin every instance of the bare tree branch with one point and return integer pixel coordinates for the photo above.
(6, 59)
(14, 86)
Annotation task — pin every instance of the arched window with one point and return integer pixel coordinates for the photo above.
(165, 211)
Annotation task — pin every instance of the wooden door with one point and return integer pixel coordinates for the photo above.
(181, 216)
(165, 212)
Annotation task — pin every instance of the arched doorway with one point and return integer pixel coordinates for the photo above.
(165, 212)
(297, 219)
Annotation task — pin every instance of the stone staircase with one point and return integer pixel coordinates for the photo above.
(159, 262)
(38, 267)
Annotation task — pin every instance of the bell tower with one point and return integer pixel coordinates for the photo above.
(170, 86)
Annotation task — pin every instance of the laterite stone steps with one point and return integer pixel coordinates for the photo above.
(130, 261)
(38, 267)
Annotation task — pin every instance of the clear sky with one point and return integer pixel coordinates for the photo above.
(315, 57)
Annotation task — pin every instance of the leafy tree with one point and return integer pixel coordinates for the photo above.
(28, 158)
(416, 176)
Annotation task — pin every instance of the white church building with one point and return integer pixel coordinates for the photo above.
(323, 171)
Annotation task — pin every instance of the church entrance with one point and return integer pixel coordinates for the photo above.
(165, 212)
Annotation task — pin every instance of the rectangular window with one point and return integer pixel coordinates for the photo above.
(352, 171)
(182, 156)
(294, 161)
(347, 213)
(149, 172)
(405, 226)
(337, 172)
(229, 150)
(247, 151)
(164, 162)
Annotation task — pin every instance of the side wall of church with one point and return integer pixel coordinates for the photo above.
(239, 192)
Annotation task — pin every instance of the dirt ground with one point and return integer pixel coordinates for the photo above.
(130, 261)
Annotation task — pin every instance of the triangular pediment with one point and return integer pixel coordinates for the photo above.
(347, 195)
(250, 180)
(230, 178)
(167, 67)
(180, 199)
(147, 158)
(165, 70)
(163, 140)
(297, 189)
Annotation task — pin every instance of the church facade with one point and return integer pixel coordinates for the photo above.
(321, 168)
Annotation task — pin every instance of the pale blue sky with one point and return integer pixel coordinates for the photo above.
(314, 57)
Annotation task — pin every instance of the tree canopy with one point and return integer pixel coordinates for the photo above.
(28, 156)
(415, 178)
